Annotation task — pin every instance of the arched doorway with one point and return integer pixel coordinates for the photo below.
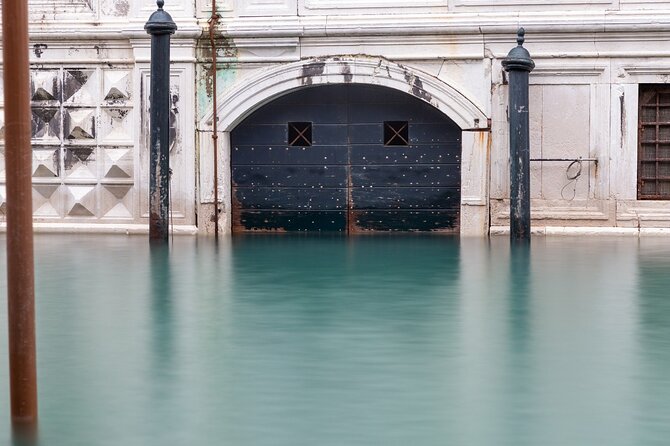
(346, 158)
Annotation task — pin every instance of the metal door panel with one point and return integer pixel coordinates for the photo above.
(433, 133)
(282, 155)
(262, 134)
(348, 179)
(445, 175)
(394, 111)
(434, 221)
(312, 198)
(406, 198)
(366, 133)
(289, 221)
(327, 113)
(447, 153)
(290, 176)
(329, 134)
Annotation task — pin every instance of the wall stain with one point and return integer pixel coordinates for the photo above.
(417, 86)
(311, 70)
(74, 156)
(225, 49)
(122, 7)
(39, 48)
(622, 101)
(346, 72)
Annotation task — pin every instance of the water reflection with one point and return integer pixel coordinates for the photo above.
(654, 343)
(161, 311)
(356, 341)
(23, 435)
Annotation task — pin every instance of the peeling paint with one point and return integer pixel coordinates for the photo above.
(117, 114)
(226, 73)
(74, 156)
(115, 8)
(175, 134)
(311, 70)
(346, 72)
(417, 86)
(622, 101)
(225, 76)
(39, 48)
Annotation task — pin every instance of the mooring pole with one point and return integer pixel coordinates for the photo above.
(20, 260)
(160, 26)
(519, 65)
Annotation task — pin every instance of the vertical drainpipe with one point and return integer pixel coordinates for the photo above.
(160, 25)
(519, 65)
(20, 255)
(213, 22)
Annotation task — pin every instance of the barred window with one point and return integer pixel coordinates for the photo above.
(300, 134)
(653, 174)
(396, 133)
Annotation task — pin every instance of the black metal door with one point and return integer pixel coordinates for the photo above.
(346, 158)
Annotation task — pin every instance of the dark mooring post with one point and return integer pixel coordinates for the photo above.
(20, 261)
(160, 26)
(519, 65)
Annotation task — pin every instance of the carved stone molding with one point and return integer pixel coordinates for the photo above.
(268, 84)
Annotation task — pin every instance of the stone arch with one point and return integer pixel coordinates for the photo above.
(262, 87)
(269, 84)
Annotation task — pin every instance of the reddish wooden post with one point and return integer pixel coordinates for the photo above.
(20, 262)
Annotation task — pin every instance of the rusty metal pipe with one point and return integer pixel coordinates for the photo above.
(213, 21)
(20, 257)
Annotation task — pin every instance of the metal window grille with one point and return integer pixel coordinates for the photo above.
(654, 143)
(300, 134)
(396, 133)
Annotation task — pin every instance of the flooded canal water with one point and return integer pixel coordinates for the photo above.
(282, 340)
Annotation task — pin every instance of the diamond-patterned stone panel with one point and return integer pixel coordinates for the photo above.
(79, 124)
(116, 201)
(80, 163)
(118, 163)
(45, 88)
(175, 127)
(46, 162)
(116, 125)
(2, 163)
(2, 125)
(80, 201)
(80, 87)
(46, 123)
(3, 200)
(47, 201)
(117, 86)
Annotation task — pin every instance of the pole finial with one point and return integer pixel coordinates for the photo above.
(520, 36)
(160, 3)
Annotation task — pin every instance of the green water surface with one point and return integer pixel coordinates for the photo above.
(293, 341)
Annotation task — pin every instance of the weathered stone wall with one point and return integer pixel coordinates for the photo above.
(89, 95)
(91, 65)
(590, 56)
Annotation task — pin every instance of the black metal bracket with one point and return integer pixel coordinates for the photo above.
(592, 160)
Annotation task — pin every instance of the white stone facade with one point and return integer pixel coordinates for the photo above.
(90, 152)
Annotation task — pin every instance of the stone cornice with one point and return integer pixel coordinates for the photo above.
(501, 23)
(121, 30)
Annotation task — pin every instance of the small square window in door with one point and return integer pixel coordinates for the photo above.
(396, 133)
(300, 134)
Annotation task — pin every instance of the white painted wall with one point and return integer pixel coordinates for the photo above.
(590, 57)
